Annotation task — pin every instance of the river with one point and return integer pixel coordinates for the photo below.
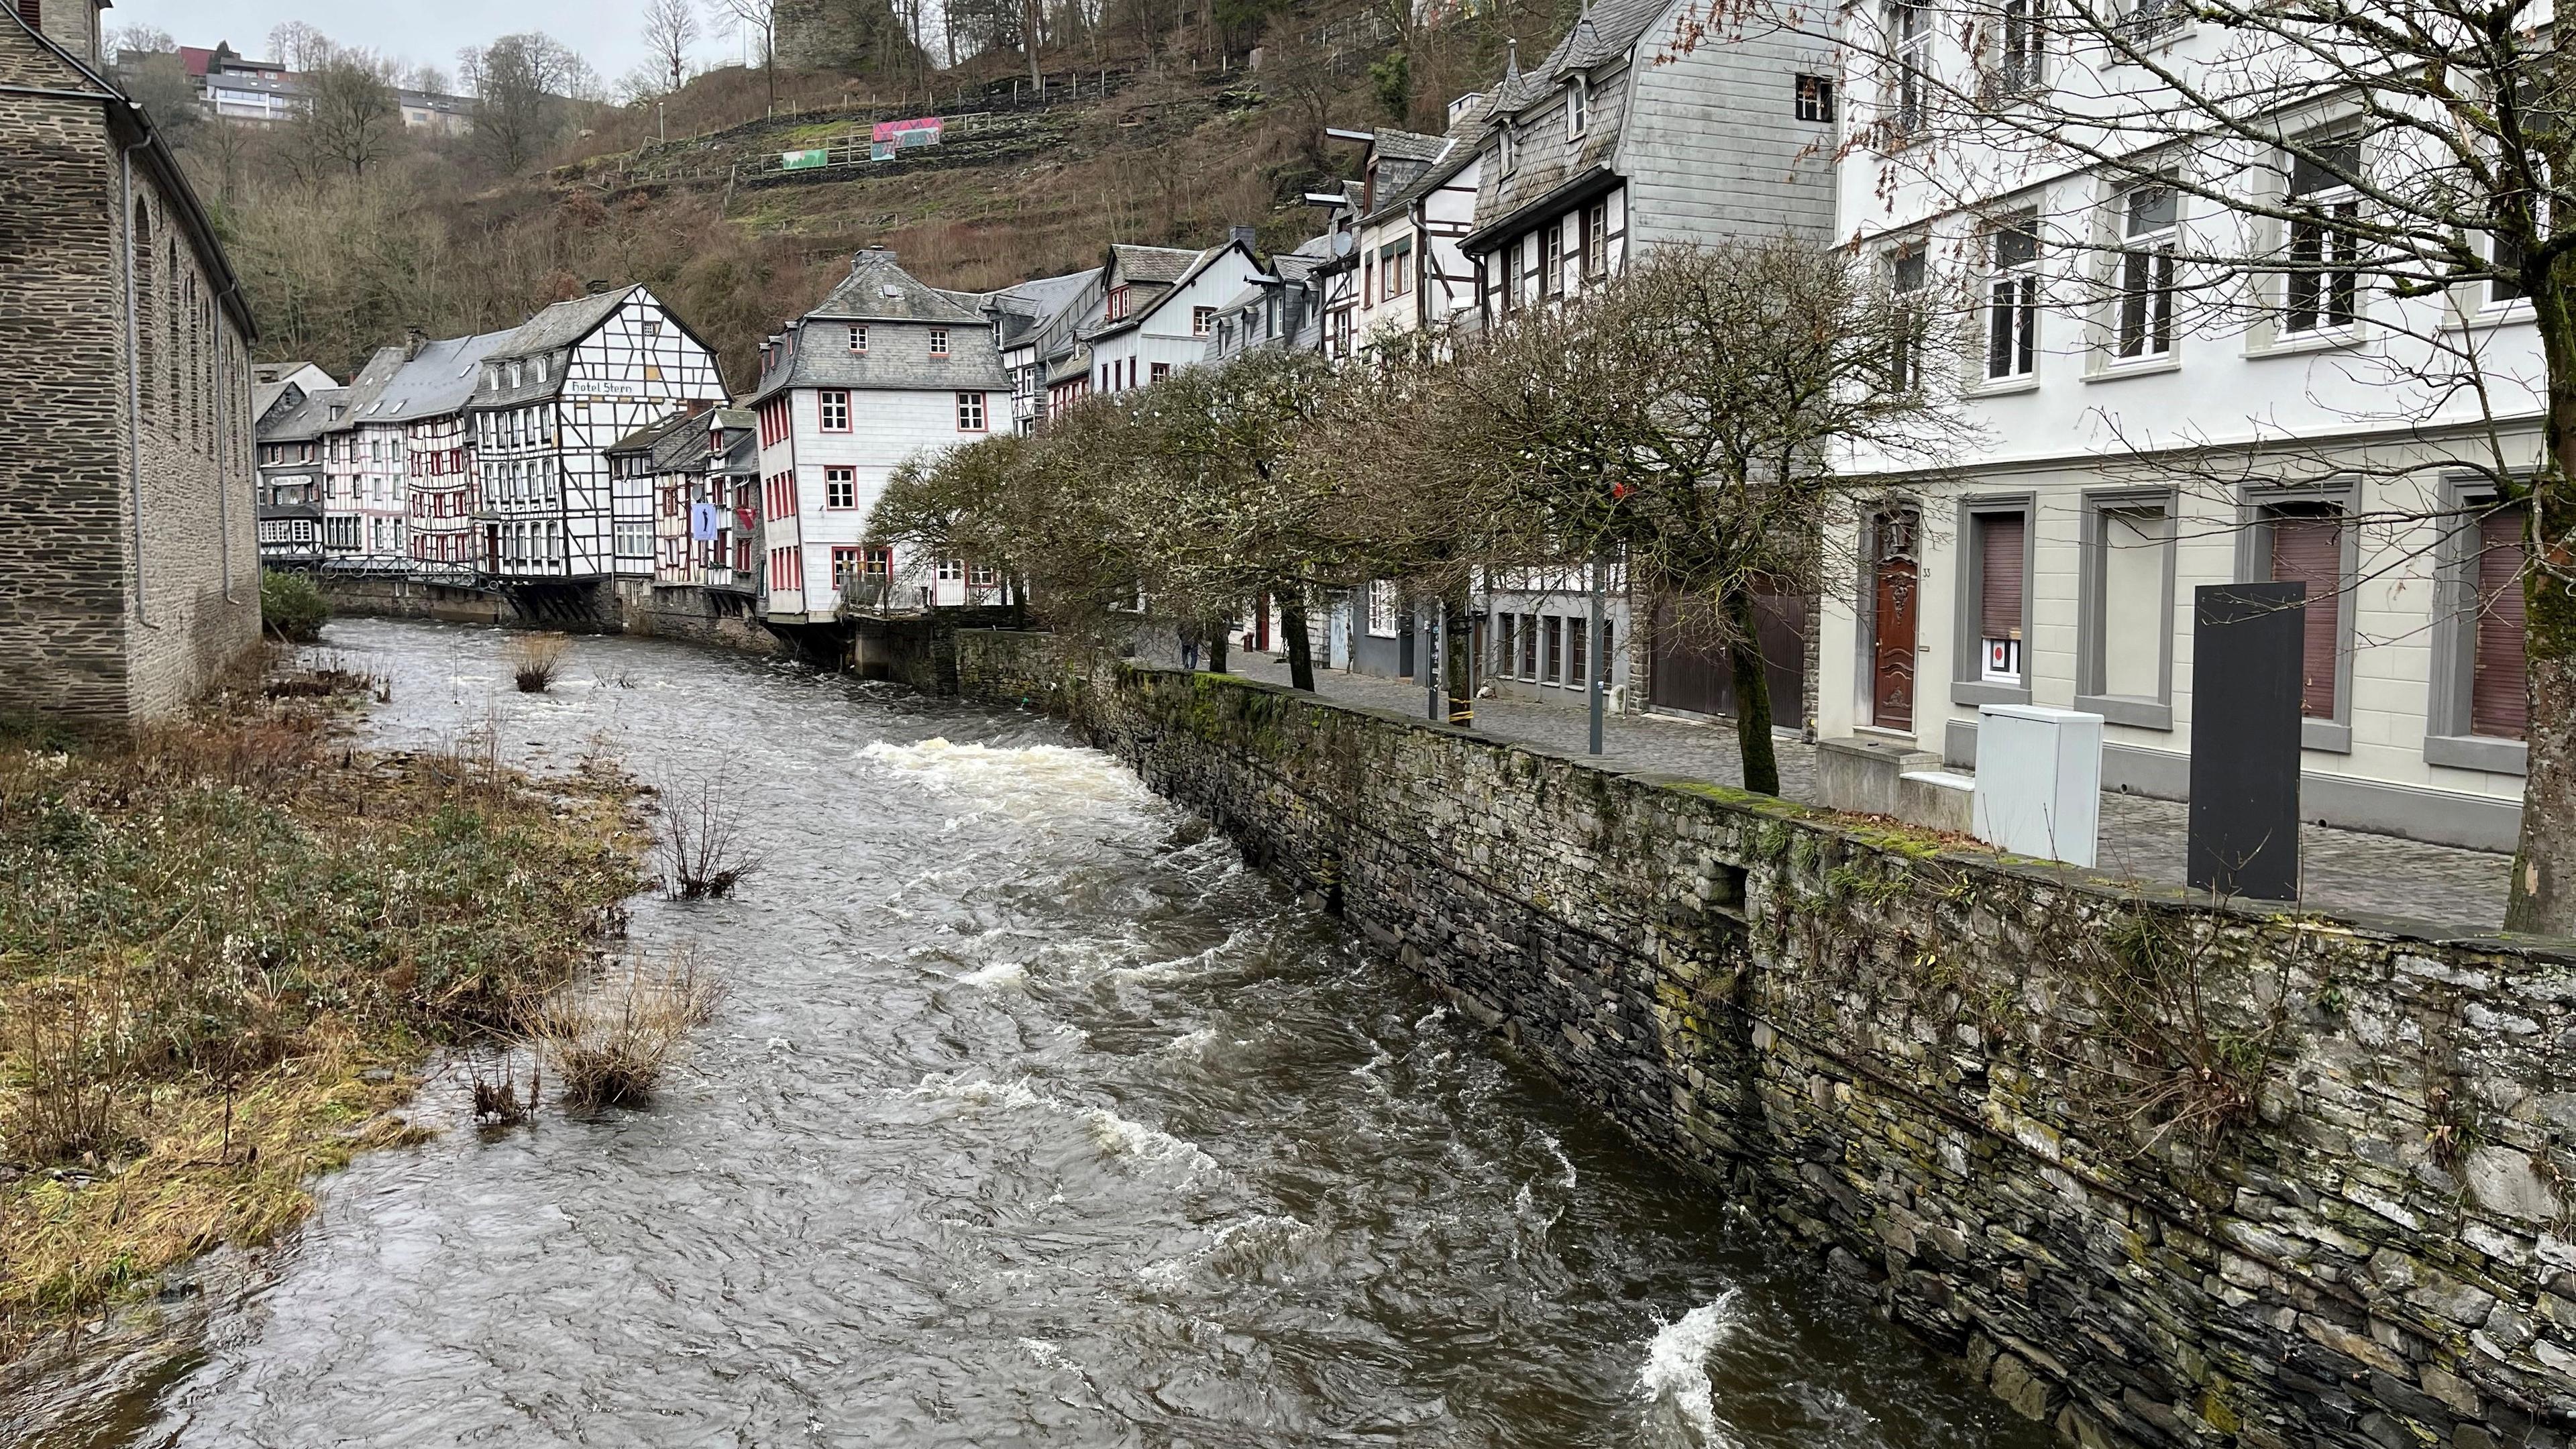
(1032, 1117)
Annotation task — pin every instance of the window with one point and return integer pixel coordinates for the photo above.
(1815, 98)
(1909, 281)
(1555, 658)
(2323, 284)
(1202, 321)
(858, 339)
(2148, 217)
(840, 488)
(2021, 51)
(1509, 135)
(2001, 539)
(652, 326)
(2306, 546)
(845, 567)
(2151, 20)
(1506, 645)
(834, 408)
(2506, 286)
(1398, 276)
(939, 342)
(970, 412)
(1158, 371)
(1578, 632)
(1578, 108)
(2012, 298)
(1529, 646)
(1551, 259)
(952, 570)
(880, 564)
(1909, 37)
(1596, 240)
(2499, 700)
(2124, 664)
(1381, 608)
(1115, 308)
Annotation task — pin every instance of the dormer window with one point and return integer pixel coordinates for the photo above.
(1510, 134)
(539, 368)
(1578, 108)
(939, 342)
(518, 374)
(858, 340)
(1116, 307)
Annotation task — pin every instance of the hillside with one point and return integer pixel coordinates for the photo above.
(1149, 145)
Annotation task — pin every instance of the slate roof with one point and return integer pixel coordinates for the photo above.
(1408, 145)
(1154, 264)
(308, 419)
(563, 324)
(676, 444)
(898, 360)
(371, 382)
(264, 395)
(877, 290)
(441, 379)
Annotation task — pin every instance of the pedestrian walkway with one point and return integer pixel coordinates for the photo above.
(2142, 839)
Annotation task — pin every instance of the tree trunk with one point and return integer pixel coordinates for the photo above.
(2543, 901)
(1752, 696)
(1457, 658)
(1292, 625)
(1216, 647)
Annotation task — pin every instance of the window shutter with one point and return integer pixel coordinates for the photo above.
(33, 12)
(2308, 549)
(1999, 574)
(2499, 702)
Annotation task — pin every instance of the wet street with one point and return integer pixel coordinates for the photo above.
(1032, 1117)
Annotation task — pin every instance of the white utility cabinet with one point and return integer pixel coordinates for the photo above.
(2039, 781)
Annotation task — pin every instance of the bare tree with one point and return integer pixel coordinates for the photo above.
(758, 18)
(351, 114)
(521, 85)
(129, 43)
(299, 46)
(670, 32)
(2388, 180)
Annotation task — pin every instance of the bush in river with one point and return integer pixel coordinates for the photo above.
(291, 605)
(607, 1038)
(535, 660)
(225, 943)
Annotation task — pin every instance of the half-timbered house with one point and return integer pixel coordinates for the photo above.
(290, 478)
(550, 400)
(886, 368)
(425, 405)
(1155, 318)
(1401, 268)
(361, 494)
(1038, 325)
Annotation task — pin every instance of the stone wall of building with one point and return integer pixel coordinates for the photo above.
(104, 619)
(2160, 1172)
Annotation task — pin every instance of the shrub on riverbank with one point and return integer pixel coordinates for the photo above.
(224, 943)
(291, 605)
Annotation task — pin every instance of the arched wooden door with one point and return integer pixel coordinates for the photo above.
(1895, 609)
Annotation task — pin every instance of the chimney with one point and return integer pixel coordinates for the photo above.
(595, 286)
(414, 339)
(1463, 105)
(1243, 236)
(875, 253)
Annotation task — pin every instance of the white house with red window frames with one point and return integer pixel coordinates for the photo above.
(1156, 318)
(1397, 266)
(422, 412)
(362, 480)
(884, 369)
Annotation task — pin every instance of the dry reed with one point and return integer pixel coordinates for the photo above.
(609, 1037)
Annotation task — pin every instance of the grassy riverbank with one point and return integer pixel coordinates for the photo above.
(223, 947)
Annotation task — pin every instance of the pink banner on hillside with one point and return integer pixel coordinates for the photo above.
(922, 132)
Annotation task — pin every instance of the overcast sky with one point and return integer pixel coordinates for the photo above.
(608, 33)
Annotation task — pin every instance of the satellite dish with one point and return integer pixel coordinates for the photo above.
(1341, 244)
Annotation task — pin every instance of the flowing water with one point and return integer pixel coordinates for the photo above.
(1033, 1117)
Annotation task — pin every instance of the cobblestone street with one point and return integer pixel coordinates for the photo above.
(2142, 839)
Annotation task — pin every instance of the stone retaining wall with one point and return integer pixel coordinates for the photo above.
(2161, 1172)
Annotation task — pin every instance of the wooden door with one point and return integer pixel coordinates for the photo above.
(1895, 605)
